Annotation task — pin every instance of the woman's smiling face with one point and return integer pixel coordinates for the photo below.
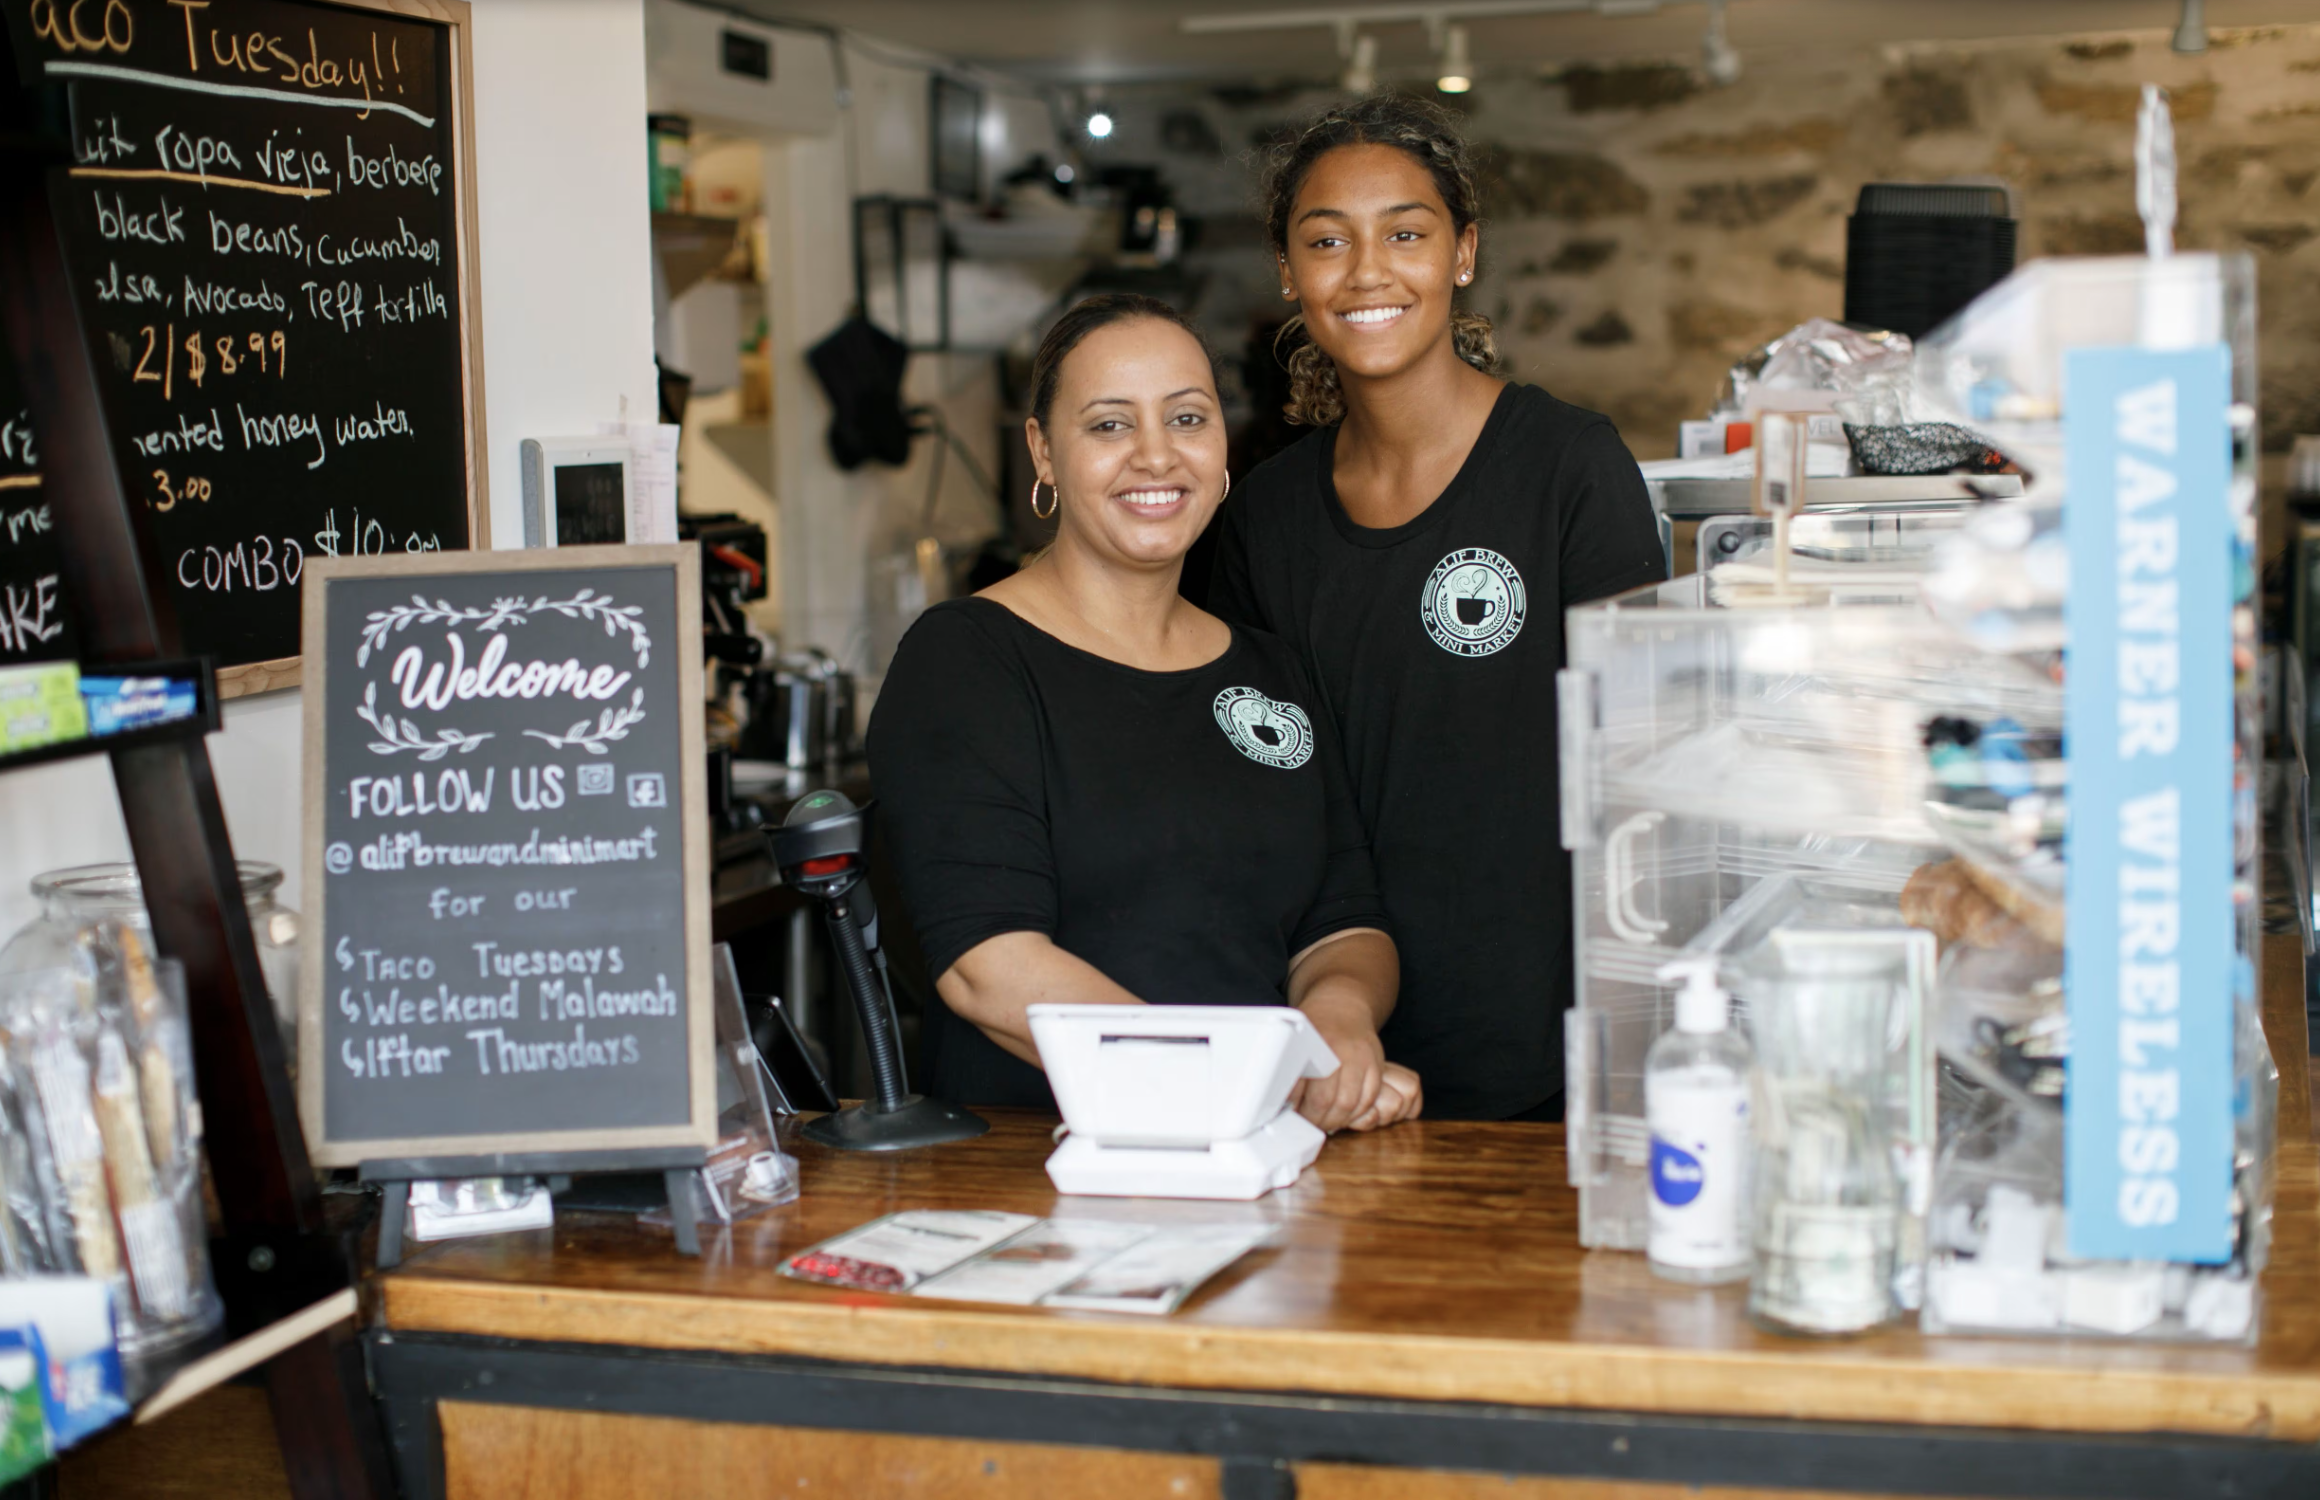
(1373, 259)
(1135, 442)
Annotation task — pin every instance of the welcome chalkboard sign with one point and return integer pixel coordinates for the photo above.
(507, 865)
(269, 219)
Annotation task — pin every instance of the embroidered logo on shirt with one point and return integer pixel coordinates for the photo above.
(1474, 602)
(1264, 730)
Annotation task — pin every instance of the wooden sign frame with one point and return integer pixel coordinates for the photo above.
(459, 100)
(507, 1152)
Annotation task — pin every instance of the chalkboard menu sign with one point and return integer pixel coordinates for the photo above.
(33, 626)
(269, 223)
(507, 870)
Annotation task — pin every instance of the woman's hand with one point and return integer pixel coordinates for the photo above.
(1400, 1097)
(1345, 984)
(1350, 1093)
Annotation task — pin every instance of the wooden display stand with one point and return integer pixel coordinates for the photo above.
(276, 1257)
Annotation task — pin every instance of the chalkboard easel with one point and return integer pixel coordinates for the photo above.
(507, 964)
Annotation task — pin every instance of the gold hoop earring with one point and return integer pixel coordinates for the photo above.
(1227, 495)
(1055, 500)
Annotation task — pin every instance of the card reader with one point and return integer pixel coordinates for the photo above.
(1179, 1101)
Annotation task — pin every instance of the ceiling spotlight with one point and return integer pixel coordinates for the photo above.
(1361, 68)
(1457, 68)
(1099, 125)
(1717, 58)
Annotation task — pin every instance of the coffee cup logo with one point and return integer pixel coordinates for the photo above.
(1474, 603)
(1264, 729)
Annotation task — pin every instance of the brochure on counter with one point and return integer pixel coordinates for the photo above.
(1102, 1265)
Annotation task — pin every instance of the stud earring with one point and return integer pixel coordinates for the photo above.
(1054, 500)
(1464, 277)
(1289, 291)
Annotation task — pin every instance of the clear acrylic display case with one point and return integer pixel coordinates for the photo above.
(1708, 751)
(1734, 762)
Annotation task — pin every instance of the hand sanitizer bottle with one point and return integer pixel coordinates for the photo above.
(1695, 1103)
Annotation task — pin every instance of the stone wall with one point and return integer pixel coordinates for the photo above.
(1645, 228)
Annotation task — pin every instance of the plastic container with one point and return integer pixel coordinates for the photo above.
(1829, 1203)
(100, 1143)
(1707, 751)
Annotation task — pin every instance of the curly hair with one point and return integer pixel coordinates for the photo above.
(1429, 135)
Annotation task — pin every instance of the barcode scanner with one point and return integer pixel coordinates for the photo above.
(821, 850)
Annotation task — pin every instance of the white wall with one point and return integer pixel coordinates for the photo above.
(566, 229)
(686, 76)
(838, 528)
(567, 335)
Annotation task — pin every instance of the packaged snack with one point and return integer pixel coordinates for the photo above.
(40, 704)
(116, 704)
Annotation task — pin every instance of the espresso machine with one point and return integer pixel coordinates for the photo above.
(795, 709)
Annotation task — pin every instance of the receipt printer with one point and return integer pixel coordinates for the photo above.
(1179, 1101)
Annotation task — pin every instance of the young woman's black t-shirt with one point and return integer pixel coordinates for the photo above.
(1187, 833)
(1434, 646)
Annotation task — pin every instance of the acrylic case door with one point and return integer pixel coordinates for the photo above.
(1704, 751)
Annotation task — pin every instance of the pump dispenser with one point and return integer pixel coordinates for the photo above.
(1700, 1006)
(1695, 1103)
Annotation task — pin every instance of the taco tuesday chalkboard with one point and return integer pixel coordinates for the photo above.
(269, 223)
(507, 877)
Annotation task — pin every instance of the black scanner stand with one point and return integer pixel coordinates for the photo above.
(820, 850)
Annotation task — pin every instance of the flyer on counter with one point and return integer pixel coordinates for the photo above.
(1157, 1273)
(1103, 1265)
(898, 1252)
(1040, 1260)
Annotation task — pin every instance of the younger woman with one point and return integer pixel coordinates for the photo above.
(1098, 792)
(1419, 550)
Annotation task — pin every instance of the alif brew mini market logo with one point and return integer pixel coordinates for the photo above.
(1474, 602)
(1265, 730)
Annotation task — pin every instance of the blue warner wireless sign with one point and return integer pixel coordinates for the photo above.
(2150, 955)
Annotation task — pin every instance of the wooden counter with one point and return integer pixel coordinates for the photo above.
(1438, 1261)
(1434, 1263)
(1425, 1307)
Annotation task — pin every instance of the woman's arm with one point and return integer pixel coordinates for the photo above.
(995, 982)
(1346, 984)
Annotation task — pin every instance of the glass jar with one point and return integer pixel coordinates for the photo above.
(100, 1122)
(1828, 1208)
(76, 899)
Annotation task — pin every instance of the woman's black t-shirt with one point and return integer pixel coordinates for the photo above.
(1434, 646)
(1187, 833)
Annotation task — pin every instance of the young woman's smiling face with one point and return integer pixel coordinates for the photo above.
(1373, 259)
(1134, 443)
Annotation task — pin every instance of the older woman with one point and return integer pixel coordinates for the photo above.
(1098, 792)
